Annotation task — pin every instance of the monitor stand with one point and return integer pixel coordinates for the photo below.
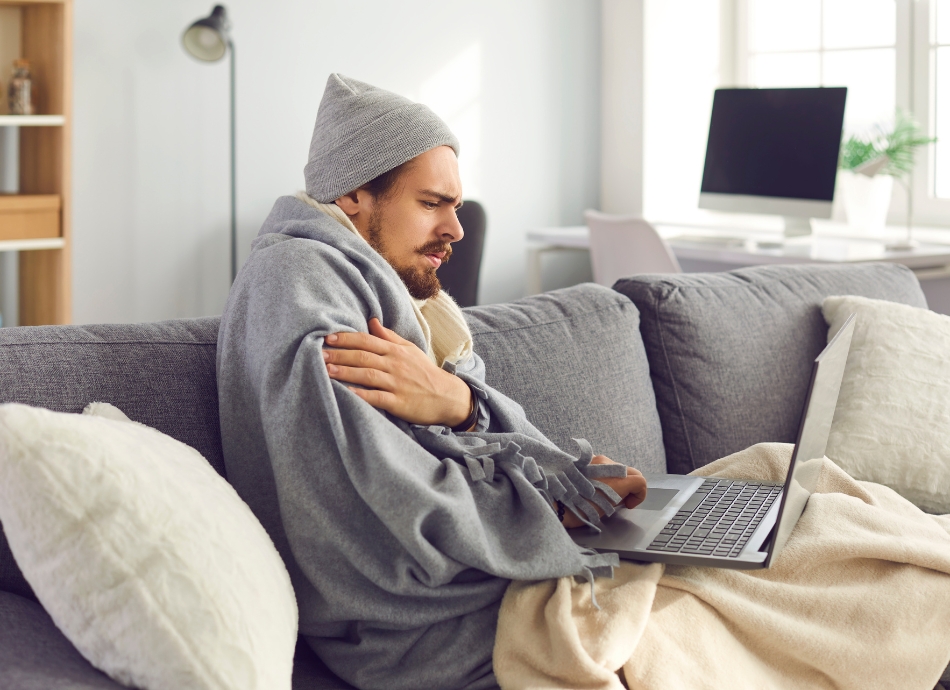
(796, 226)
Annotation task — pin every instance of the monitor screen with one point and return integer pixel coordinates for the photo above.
(780, 143)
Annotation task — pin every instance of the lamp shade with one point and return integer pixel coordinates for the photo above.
(207, 39)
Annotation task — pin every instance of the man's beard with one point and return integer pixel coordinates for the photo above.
(422, 283)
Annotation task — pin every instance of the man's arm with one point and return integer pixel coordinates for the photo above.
(400, 379)
(397, 377)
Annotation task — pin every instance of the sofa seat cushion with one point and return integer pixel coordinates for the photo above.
(730, 353)
(160, 374)
(574, 359)
(35, 655)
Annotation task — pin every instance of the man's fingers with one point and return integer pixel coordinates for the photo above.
(380, 331)
(371, 378)
(358, 341)
(355, 358)
(632, 488)
(638, 491)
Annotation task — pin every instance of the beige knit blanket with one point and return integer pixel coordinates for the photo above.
(859, 598)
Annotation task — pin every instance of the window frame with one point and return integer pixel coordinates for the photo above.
(914, 93)
(927, 208)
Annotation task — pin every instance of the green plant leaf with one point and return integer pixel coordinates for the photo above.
(898, 141)
(855, 152)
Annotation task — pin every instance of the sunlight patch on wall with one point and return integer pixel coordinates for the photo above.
(454, 93)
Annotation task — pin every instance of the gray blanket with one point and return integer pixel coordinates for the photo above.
(400, 539)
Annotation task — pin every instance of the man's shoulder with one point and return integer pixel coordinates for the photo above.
(298, 235)
(302, 253)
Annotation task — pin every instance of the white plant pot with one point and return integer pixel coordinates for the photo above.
(866, 200)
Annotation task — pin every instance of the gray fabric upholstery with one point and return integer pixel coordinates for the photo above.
(310, 673)
(574, 360)
(160, 374)
(730, 353)
(34, 654)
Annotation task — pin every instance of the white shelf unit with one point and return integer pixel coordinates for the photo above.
(27, 245)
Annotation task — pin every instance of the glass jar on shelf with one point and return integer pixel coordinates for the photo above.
(20, 89)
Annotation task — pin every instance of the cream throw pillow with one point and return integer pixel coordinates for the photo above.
(144, 557)
(892, 423)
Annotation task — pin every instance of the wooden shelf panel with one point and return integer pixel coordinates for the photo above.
(32, 120)
(29, 202)
(29, 216)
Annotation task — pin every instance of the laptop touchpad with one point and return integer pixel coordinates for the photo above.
(657, 499)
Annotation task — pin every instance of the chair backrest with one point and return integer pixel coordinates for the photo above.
(459, 276)
(622, 246)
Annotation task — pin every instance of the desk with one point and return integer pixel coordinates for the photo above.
(714, 249)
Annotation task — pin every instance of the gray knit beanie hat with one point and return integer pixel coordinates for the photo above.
(363, 132)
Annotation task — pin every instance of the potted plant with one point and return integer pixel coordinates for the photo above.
(870, 164)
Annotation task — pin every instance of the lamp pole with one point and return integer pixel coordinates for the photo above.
(208, 40)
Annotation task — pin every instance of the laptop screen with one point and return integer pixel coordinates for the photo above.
(813, 431)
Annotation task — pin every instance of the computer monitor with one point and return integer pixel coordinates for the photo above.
(774, 151)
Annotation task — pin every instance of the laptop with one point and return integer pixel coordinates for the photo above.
(730, 523)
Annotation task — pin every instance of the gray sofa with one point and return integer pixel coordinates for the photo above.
(652, 373)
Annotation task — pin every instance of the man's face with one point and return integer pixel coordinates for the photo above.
(414, 225)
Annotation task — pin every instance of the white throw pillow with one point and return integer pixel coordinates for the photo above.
(144, 557)
(892, 423)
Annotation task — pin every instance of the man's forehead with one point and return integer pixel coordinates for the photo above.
(436, 172)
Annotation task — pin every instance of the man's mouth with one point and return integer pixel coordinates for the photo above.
(435, 258)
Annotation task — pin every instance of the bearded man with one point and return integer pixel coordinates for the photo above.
(402, 492)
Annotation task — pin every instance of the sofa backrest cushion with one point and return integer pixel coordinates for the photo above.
(159, 374)
(730, 353)
(575, 361)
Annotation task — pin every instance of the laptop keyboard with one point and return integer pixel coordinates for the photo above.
(718, 519)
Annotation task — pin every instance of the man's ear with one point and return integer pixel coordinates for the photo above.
(355, 202)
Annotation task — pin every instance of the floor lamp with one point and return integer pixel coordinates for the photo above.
(208, 40)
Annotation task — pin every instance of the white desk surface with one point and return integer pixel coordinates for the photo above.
(830, 242)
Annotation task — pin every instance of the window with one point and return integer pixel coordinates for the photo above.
(938, 61)
(889, 53)
(828, 43)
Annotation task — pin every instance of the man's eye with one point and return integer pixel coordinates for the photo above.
(429, 204)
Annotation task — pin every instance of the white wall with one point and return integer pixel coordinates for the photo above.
(621, 116)
(519, 81)
(681, 72)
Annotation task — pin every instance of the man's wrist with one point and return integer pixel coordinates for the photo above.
(466, 422)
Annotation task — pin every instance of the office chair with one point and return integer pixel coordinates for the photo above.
(459, 276)
(622, 246)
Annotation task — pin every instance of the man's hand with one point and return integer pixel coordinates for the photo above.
(398, 377)
(632, 490)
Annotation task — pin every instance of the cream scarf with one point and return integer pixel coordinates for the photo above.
(443, 325)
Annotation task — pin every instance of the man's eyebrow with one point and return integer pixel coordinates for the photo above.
(448, 199)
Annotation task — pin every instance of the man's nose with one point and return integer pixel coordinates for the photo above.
(451, 229)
